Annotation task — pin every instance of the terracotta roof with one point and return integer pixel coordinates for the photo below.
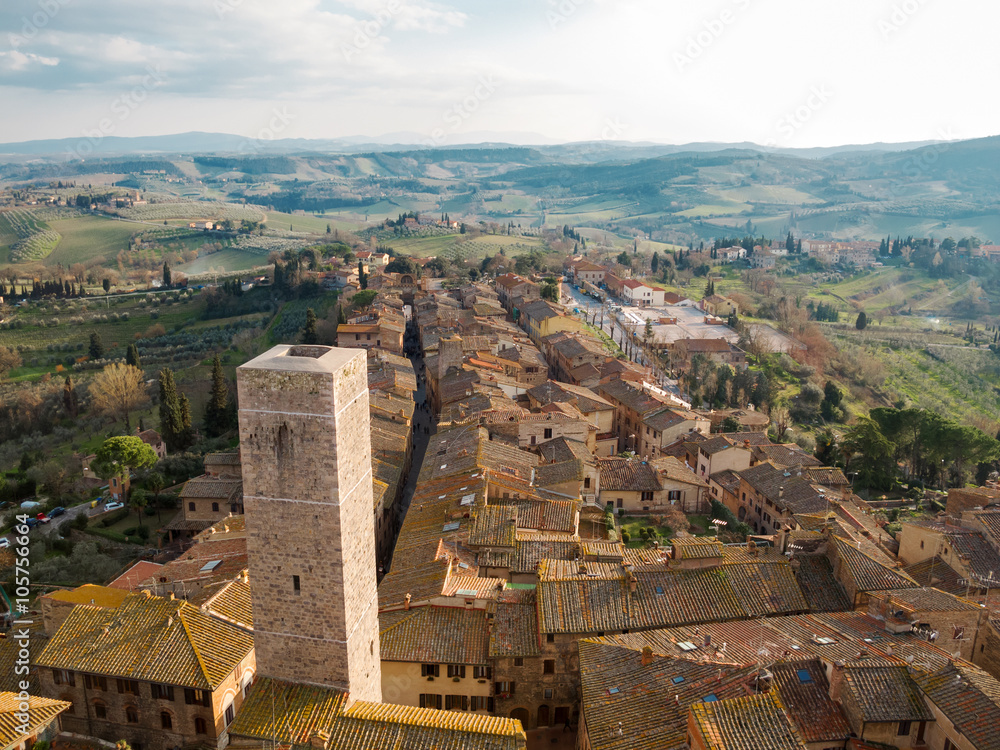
(41, 712)
(672, 469)
(868, 573)
(439, 635)
(936, 572)
(546, 515)
(308, 711)
(783, 488)
(515, 626)
(10, 655)
(562, 449)
(151, 639)
(969, 698)
(785, 456)
(883, 694)
(627, 474)
(629, 706)
(548, 475)
(130, 579)
(821, 589)
(226, 459)
(598, 598)
(232, 603)
(95, 596)
(494, 526)
(746, 723)
(803, 689)
(213, 488)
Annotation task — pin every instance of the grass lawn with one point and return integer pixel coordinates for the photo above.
(86, 237)
(632, 525)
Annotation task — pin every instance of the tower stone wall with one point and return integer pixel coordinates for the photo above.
(306, 455)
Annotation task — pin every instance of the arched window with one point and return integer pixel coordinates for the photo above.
(100, 710)
(131, 715)
(199, 726)
(166, 720)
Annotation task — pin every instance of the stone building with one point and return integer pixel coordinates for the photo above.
(156, 672)
(306, 451)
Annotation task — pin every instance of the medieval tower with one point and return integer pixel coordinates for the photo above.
(306, 454)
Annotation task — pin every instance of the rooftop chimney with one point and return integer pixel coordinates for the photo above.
(406, 600)
(647, 656)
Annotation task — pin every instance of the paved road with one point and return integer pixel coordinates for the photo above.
(574, 298)
(424, 427)
(49, 529)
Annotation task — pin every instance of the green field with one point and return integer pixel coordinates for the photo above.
(310, 223)
(765, 194)
(222, 261)
(86, 237)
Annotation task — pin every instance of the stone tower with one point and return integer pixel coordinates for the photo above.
(307, 485)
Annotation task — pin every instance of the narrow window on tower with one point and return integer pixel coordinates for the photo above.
(295, 585)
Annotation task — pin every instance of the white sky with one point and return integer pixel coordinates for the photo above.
(788, 72)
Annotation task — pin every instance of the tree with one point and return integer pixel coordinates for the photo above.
(175, 433)
(647, 333)
(155, 481)
(341, 316)
(309, 332)
(654, 264)
(70, 400)
(9, 359)
(550, 291)
(120, 456)
(870, 451)
(106, 283)
(731, 424)
(166, 275)
(362, 300)
(217, 408)
(362, 276)
(862, 322)
(624, 259)
(96, 350)
(780, 418)
(137, 500)
(117, 391)
(132, 356)
(400, 264)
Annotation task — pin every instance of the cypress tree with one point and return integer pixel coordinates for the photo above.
(216, 410)
(132, 356)
(341, 316)
(187, 433)
(166, 274)
(309, 332)
(70, 400)
(171, 417)
(96, 350)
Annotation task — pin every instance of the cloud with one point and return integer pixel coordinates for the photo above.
(18, 62)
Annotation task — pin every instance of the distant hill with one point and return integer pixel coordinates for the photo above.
(587, 151)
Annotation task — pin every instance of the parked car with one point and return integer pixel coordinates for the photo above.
(31, 523)
(4, 542)
(57, 512)
(113, 506)
(42, 518)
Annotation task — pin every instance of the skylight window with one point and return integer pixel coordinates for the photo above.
(453, 526)
(677, 680)
(824, 641)
(469, 499)
(687, 646)
(804, 677)
(710, 698)
(659, 590)
(210, 566)
(613, 691)
(466, 592)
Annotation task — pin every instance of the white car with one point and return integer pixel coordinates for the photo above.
(113, 506)
(4, 542)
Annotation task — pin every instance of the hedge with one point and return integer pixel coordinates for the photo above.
(114, 536)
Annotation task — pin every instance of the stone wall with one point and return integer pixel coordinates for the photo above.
(306, 455)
